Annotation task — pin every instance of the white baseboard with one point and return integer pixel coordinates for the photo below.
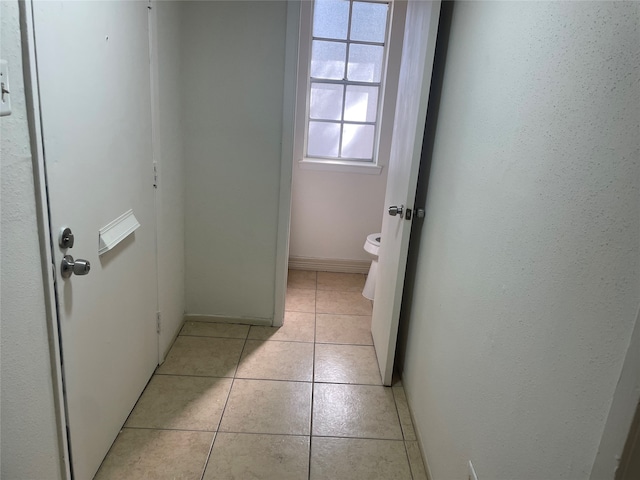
(329, 265)
(226, 319)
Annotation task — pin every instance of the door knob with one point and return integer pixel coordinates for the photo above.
(70, 266)
(395, 210)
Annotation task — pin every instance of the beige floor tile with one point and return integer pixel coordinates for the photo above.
(301, 279)
(263, 406)
(358, 459)
(267, 457)
(364, 411)
(346, 329)
(298, 327)
(156, 454)
(403, 413)
(299, 300)
(415, 461)
(346, 364)
(187, 403)
(210, 329)
(344, 303)
(271, 360)
(343, 282)
(215, 357)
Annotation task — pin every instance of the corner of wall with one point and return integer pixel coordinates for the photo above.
(623, 406)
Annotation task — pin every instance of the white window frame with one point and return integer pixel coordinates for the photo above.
(386, 102)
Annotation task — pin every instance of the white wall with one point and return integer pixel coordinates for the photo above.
(29, 442)
(232, 79)
(528, 283)
(168, 151)
(333, 212)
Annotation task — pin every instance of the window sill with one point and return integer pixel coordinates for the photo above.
(340, 166)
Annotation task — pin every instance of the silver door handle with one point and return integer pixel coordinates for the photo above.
(70, 266)
(395, 210)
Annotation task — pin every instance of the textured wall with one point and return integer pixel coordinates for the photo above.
(233, 75)
(528, 283)
(29, 442)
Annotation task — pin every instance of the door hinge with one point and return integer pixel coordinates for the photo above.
(158, 322)
(155, 174)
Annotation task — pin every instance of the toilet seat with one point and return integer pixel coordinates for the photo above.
(372, 244)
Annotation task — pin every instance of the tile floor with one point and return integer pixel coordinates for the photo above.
(303, 401)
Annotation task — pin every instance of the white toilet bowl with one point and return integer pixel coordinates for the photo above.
(371, 245)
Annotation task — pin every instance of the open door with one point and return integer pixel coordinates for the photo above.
(421, 29)
(95, 107)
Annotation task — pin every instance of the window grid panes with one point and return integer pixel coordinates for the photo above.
(346, 76)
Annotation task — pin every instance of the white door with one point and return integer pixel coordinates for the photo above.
(408, 131)
(93, 77)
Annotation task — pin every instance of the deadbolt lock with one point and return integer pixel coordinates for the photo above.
(66, 239)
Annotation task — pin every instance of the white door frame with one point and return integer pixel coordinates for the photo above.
(286, 160)
(44, 230)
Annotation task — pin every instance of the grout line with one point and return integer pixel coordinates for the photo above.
(350, 344)
(190, 375)
(350, 437)
(406, 451)
(349, 384)
(169, 429)
(280, 341)
(313, 375)
(360, 438)
(224, 409)
(274, 379)
(213, 336)
(404, 438)
(395, 402)
(206, 460)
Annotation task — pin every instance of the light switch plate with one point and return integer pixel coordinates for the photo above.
(5, 100)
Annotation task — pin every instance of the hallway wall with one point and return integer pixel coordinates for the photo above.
(232, 84)
(29, 443)
(528, 277)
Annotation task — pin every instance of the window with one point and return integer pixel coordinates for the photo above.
(345, 78)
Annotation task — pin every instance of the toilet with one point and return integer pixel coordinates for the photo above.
(371, 245)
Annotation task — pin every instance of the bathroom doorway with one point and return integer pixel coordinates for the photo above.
(323, 177)
(338, 191)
